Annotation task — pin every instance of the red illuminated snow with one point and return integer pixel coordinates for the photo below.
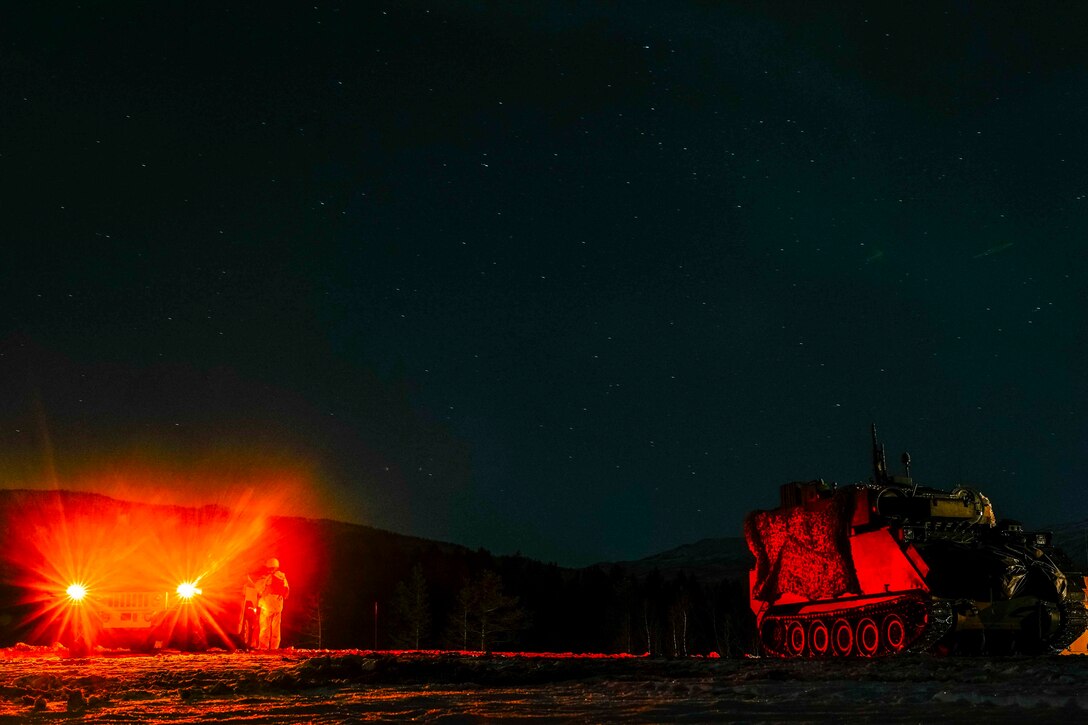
(36, 684)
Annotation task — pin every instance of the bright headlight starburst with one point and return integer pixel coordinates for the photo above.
(188, 590)
(76, 592)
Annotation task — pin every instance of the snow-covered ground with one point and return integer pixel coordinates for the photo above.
(325, 687)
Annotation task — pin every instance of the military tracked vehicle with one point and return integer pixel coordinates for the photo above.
(889, 567)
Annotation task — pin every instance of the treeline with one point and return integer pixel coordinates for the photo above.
(354, 586)
(385, 591)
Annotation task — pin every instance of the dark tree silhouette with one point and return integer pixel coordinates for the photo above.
(312, 631)
(484, 616)
(411, 611)
(339, 570)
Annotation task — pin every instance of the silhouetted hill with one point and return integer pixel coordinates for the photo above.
(1073, 540)
(346, 579)
(709, 560)
(337, 570)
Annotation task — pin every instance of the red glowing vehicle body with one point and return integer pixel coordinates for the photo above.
(889, 567)
(142, 619)
(98, 572)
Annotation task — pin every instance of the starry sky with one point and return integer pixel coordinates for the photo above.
(584, 280)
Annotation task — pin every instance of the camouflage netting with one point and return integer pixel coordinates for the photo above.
(803, 551)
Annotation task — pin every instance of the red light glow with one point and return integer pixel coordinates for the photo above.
(66, 549)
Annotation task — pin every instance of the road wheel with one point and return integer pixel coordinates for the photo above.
(867, 636)
(842, 638)
(894, 633)
(244, 635)
(819, 639)
(795, 639)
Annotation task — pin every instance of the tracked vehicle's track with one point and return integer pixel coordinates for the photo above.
(889, 627)
(1074, 620)
(941, 618)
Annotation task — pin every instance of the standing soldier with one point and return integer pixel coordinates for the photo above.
(273, 590)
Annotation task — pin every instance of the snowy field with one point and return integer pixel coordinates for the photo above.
(38, 685)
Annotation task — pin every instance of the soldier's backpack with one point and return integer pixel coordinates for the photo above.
(279, 587)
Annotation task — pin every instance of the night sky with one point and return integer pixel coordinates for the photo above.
(584, 280)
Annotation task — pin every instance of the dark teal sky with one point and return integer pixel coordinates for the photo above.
(584, 280)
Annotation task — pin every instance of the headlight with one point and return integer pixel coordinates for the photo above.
(188, 590)
(76, 592)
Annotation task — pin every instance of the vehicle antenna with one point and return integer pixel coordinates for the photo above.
(906, 465)
(880, 462)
